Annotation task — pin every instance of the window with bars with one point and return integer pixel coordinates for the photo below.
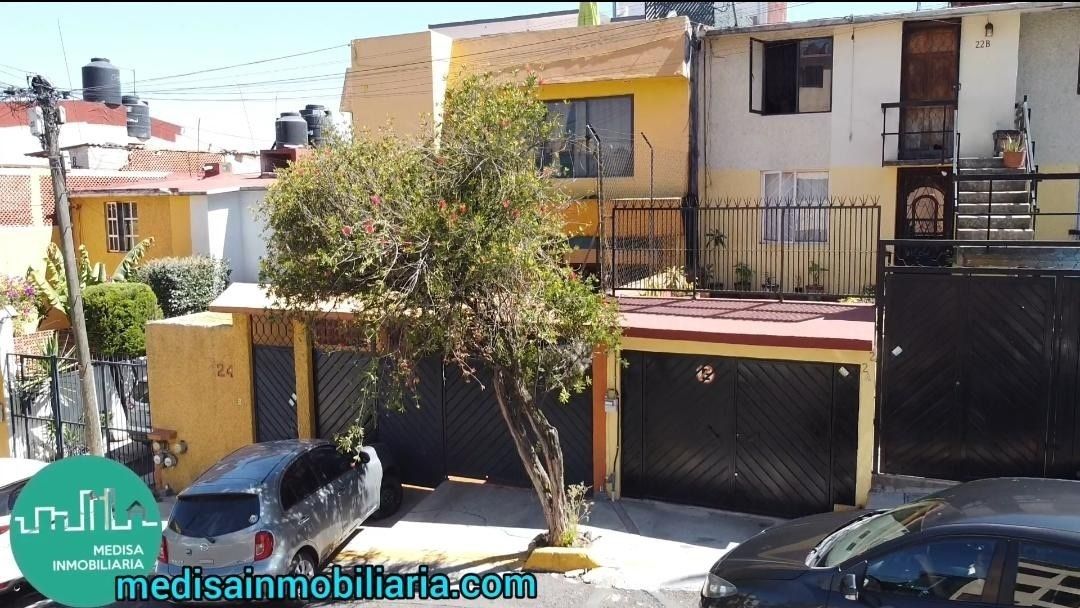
(122, 225)
(790, 200)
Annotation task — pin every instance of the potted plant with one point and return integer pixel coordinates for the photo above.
(714, 239)
(744, 275)
(770, 284)
(815, 270)
(1012, 152)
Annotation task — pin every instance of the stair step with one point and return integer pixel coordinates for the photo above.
(996, 221)
(993, 170)
(994, 209)
(995, 234)
(992, 162)
(1019, 197)
(983, 185)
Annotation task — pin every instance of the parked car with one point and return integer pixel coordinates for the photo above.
(1013, 542)
(280, 507)
(14, 473)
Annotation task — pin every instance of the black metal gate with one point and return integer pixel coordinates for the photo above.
(453, 428)
(979, 375)
(764, 436)
(274, 374)
(46, 412)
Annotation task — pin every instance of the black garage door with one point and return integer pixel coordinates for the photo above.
(768, 437)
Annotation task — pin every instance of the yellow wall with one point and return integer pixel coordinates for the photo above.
(850, 261)
(22, 247)
(200, 378)
(166, 218)
(867, 382)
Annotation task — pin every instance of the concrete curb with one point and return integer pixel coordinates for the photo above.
(560, 559)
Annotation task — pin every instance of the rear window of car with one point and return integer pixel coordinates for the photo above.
(213, 515)
(8, 494)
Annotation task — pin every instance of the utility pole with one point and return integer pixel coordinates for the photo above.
(45, 97)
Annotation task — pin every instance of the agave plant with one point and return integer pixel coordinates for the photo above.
(51, 284)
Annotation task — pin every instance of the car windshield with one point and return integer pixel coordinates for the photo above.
(210, 515)
(865, 534)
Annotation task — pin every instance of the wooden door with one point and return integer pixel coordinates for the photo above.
(929, 82)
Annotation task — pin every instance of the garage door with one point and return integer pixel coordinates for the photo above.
(769, 437)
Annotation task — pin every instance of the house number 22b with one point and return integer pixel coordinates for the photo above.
(223, 370)
(982, 44)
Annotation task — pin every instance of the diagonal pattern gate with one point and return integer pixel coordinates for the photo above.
(968, 374)
(275, 393)
(769, 437)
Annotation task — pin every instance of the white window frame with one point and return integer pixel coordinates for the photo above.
(797, 224)
(121, 226)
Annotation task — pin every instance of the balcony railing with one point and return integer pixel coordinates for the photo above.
(817, 251)
(917, 132)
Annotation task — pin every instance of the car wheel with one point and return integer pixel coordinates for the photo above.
(390, 497)
(302, 565)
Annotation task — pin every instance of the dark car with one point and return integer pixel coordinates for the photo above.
(994, 542)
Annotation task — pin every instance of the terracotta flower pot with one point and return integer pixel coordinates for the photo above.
(1012, 160)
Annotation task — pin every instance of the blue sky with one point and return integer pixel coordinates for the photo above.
(152, 40)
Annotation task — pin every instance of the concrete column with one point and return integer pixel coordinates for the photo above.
(7, 346)
(599, 421)
(305, 381)
(864, 453)
(613, 457)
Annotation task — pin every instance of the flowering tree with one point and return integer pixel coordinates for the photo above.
(452, 246)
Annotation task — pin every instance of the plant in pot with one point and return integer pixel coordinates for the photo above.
(744, 276)
(1012, 152)
(815, 270)
(770, 284)
(714, 240)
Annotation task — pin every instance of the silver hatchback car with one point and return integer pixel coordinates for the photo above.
(280, 507)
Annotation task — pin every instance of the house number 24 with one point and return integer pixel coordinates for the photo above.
(223, 370)
(982, 44)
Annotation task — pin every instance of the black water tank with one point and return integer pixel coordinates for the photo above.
(290, 130)
(314, 115)
(101, 81)
(138, 117)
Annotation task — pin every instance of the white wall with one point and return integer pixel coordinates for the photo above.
(987, 80)
(1047, 74)
(226, 226)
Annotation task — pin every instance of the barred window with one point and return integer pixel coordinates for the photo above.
(790, 198)
(122, 225)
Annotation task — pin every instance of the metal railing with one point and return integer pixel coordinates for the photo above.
(46, 414)
(1030, 166)
(819, 252)
(940, 141)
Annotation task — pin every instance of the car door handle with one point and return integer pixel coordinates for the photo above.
(304, 520)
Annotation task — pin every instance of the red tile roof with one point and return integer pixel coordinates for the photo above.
(751, 322)
(184, 184)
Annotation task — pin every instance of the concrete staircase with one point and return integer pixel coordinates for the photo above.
(1010, 213)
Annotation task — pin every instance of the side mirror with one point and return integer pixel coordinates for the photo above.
(363, 457)
(849, 586)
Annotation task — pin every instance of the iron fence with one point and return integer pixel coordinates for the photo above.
(46, 410)
(752, 248)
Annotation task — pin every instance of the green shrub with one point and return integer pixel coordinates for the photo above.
(185, 285)
(116, 316)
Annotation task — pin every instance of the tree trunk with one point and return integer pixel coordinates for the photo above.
(537, 443)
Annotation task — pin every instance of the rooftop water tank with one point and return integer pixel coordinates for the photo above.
(138, 117)
(290, 130)
(101, 82)
(314, 114)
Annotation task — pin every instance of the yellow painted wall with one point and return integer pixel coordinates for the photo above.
(850, 260)
(1059, 196)
(22, 247)
(166, 218)
(200, 377)
(867, 383)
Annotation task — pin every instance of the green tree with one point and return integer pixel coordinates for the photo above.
(451, 246)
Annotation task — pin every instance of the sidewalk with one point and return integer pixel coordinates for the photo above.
(469, 527)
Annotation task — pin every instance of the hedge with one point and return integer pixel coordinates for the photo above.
(116, 316)
(184, 285)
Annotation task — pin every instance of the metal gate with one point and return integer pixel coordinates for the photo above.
(274, 374)
(453, 428)
(46, 412)
(769, 437)
(976, 369)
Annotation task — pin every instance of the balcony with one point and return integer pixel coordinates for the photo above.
(918, 133)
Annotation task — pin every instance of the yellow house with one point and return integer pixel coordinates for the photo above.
(629, 81)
